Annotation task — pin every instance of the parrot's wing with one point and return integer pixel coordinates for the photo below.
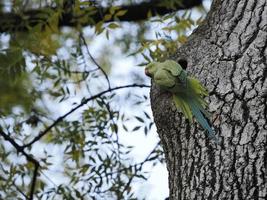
(198, 92)
(197, 87)
(182, 104)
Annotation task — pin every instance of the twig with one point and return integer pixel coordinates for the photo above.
(94, 61)
(13, 183)
(137, 165)
(20, 191)
(38, 137)
(140, 167)
(113, 122)
(76, 71)
(148, 156)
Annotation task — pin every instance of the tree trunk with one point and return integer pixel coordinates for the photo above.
(227, 53)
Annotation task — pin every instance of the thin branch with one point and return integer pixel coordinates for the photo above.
(79, 71)
(111, 117)
(34, 178)
(148, 156)
(16, 21)
(76, 71)
(60, 119)
(20, 149)
(49, 179)
(136, 165)
(140, 167)
(116, 135)
(127, 186)
(94, 61)
(13, 182)
(20, 191)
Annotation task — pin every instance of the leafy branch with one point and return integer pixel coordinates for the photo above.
(90, 15)
(30, 158)
(85, 101)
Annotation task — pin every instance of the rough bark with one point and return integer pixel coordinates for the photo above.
(227, 53)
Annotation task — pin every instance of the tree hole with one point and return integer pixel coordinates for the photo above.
(183, 63)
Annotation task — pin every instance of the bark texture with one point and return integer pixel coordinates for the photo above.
(228, 54)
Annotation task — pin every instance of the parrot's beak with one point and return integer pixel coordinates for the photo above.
(147, 72)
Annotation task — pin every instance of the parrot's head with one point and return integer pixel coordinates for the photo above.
(151, 69)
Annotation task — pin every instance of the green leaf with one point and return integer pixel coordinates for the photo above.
(136, 128)
(12, 63)
(113, 25)
(139, 119)
(107, 17)
(121, 13)
(147, 115)
(114, 128)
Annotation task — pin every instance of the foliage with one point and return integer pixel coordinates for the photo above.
(60, 114)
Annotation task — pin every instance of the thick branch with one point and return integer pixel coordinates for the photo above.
(10, 22)
(31, 159)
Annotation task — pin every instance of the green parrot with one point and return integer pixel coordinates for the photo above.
(188, 93)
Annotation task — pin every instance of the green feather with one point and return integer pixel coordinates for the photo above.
(182, 104)
(198, 92)
(188, 92)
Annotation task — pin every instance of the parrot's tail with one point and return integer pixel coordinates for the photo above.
(196, 110)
